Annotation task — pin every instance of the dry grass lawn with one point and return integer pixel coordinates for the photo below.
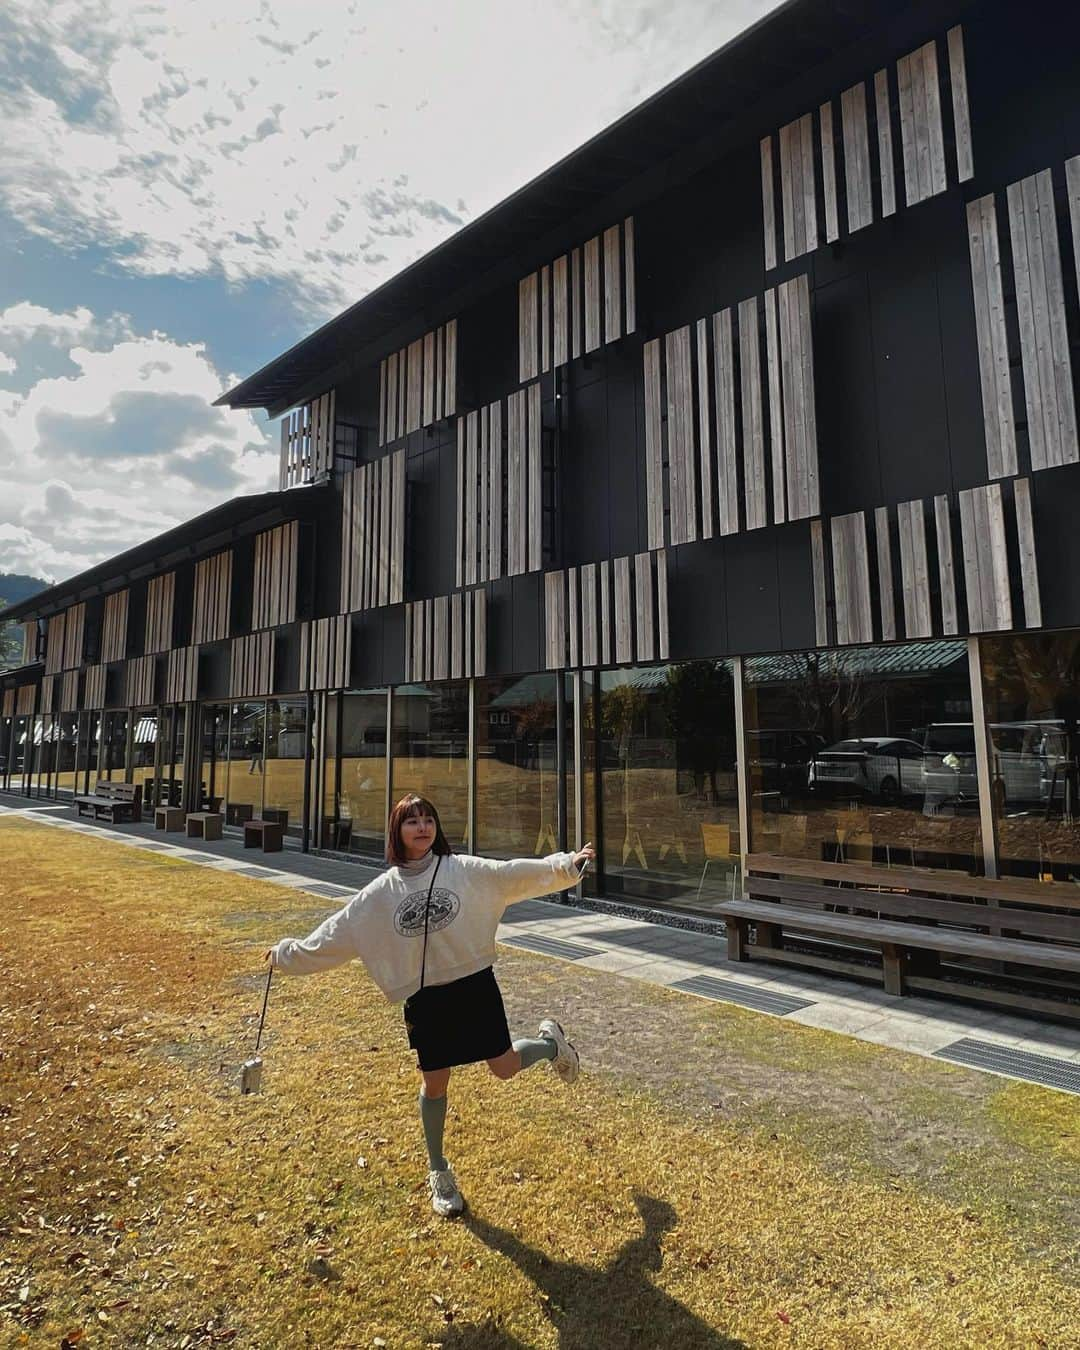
(143, 1201)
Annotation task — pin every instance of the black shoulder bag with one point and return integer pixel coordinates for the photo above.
(427, 916)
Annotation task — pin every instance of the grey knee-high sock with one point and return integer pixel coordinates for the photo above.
(533, 1051)
(433, 1119)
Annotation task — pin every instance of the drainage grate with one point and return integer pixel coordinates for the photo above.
(1004, 1059)
(263, 873)
(328, 889)
(549, 946)
(730, 991)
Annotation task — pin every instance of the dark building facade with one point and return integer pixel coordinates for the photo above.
(711, 496)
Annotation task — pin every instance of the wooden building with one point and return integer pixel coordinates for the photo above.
(710, 497)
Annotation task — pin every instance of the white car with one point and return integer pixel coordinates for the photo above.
(889, 767)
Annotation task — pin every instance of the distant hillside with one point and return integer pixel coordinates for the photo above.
(14, 587)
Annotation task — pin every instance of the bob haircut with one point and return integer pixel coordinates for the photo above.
(412, 804)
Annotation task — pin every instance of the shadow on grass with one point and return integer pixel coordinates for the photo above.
(618, 1307)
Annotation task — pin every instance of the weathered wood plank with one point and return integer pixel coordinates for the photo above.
(630, 281)
(612, 285)
(1058, 330)
(575, 303)
(479, 627)
(914, 570)
(440, 642)
(828, 173)
(995, 381)
(753, 431)
(413, 399)
(606, 627)
(555, 615)
(459, 551)
(776, 406)
(592, 294)
(560, 270)
(471, 451)
(965, 157)
(457, 637)
(883, 110)
(907, 130)
(817, 568)
(727, 474)
(450, 406)
(946, 572)
(573, 605)
(704, 429)
(527, 352)
(860, 211)
(516, 516)
(590, 632)
(793, 242)
(680, 438)
(644, 606)
(536, 479)
(623, 615)
(483, 487)
(886, 603)
(809, 182)
(654, 472)
(496, 490)
(768, 203)
(934, 128)
(662, 632)
(1029, 569)
(382, 406)
(397, 529)
(851, 579)
(545, 318)
(1072, 189)
(429, 378)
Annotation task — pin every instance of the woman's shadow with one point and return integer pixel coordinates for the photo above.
(618, 1307)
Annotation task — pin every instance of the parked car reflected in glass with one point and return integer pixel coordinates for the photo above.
(883, 767)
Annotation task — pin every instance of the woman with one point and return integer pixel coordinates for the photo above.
(425, 930)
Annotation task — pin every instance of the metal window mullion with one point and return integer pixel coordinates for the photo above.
(742, 769)
(982, 760)
(470, 824)
(389, 759)
(579, 766)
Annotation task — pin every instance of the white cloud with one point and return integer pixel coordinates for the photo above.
(127, 446)
(7, 364)
(322, 144)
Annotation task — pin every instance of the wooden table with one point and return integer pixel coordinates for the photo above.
(237, 812)
(168, 818)
(266, 834)
(204, 825)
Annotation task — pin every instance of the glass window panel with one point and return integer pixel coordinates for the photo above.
(67, 734)
(361, 790)
(6, 726)
(517, 789)
(670, 803)
(215, 753)
(144, 741)
(1031, 692)
(430, 747)
(864, 754)
(286, 722)
(247, 762)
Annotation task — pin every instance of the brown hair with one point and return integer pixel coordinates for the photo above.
(412, 804)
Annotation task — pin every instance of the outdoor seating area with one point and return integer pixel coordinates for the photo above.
(110, 801)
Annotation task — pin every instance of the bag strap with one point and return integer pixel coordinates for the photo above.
(427, 913)
(262, 1015)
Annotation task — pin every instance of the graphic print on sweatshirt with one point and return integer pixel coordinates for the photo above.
(409, 915)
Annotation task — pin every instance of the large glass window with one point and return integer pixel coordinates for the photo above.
(431, 750)
(247, 763)
(144, 742)
(112, 758)
(1031, 692)
(67, 734)
(286, 721)
(358, 798)
(214, 753)
(666, 752)
(517, 787)
(864, 754)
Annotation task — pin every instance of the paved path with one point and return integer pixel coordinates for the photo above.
(692, 962)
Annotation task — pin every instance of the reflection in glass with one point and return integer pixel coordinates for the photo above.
(517, 790)
(361, 787)
(144, 739)
(864, 754)
(67, 732)
(430, 750)
(246, 757)
(670, 804)
(214, 756)
(286, 720)
(1031, 690)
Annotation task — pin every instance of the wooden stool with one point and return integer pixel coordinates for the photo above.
(204, 825)
(266, 834)
(276, 815)
(237, 812)
(168, 818)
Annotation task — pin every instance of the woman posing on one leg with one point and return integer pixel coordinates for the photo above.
(425, 930)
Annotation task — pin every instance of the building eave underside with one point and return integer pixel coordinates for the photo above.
(732, 94)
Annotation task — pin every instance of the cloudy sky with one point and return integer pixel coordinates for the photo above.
(187, 189)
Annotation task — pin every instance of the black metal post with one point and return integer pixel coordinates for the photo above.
(309, 710)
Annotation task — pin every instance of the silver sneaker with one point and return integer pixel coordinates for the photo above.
(567, 1062)
(446, 1199)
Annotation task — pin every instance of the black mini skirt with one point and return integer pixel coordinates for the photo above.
(462, 1022)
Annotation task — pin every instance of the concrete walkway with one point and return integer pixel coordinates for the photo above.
(694, 963)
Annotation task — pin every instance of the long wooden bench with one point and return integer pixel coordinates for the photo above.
(914, 918)
(111, 801)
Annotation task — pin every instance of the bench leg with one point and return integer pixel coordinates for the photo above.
(768, 935)
(892, 966)
(736, 939)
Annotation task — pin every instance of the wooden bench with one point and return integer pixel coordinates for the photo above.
(111, 801)
(204, 825)
(914, 918)
(169, 818)
(266, 834)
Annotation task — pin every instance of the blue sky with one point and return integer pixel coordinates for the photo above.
(186, 190)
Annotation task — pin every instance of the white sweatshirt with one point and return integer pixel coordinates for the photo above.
(383, 924)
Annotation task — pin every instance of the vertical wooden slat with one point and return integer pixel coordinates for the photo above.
(753, 437)
(555, 615)
(545, 318)
(384, 530)
(429, 378)
(791, 193)
(883, 109)
(1029, 570)
(914, 569)
(808, 397)
(495, 466)
(965, 157)
(991, 336)
(704, 429)
(382, 403)
(451, 369)
(516, 520)
(1072, 190)
(573, 597)
(860, 211)
(776, 407)
(817, 569)
(592, 294)
(907, 129)
(809, 181)
(459, 553)
(612, 285)
(397, 529)
(393, 431)
(483, 489)
(604, 573)
(623, 616)
(934, 130)
(457, 637)
(590, 634)
(921, 124)
(629, 278)
(727, 476)
(440, 373)
(527, 354)
(479, 632)
(644, 602)
(536, 477)
(471, 437)
(680, 437)
(851, 579)
(560, 311)
(575, 303)
(654, 474)
(768, 204)
(440, 644)
(662, 632)
(886, 603)
(828, 173)
(946, 577)
(986, 569)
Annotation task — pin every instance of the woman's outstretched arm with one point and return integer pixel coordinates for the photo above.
(335, 941)
(525, 878)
